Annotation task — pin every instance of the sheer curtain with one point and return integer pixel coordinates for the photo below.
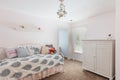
(78, 34)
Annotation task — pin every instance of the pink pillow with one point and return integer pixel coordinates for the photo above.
(11, 53)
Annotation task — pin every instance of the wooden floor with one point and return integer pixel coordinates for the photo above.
(73, 71)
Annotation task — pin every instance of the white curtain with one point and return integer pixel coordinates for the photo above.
(78, 34)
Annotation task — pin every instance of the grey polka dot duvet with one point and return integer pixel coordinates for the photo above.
(12, 69)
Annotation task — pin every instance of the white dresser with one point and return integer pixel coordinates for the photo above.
(99, 57)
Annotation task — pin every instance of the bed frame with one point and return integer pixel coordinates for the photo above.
(44, 74)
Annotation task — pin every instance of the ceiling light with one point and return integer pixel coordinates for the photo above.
(61, 12)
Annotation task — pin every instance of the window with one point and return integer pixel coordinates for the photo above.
(78, 34)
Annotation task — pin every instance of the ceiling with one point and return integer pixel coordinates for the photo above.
(76, 9)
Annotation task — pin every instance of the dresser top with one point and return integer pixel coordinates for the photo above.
(99, 40)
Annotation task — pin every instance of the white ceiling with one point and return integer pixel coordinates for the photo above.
(77, 9)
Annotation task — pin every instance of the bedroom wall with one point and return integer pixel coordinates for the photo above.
(98, 27)
(117, 39)
(9, 37)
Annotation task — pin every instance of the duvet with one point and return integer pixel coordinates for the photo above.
(13, 69)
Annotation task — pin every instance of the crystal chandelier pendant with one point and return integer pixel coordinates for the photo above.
(61, 12)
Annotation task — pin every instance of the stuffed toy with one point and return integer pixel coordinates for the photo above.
(51, 50)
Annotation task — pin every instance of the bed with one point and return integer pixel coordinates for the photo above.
(32, 67)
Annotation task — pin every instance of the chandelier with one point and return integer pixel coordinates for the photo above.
(61, 11)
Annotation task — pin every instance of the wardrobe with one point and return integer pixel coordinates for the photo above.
(99, 57)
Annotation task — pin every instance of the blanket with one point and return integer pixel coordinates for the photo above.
(13, 69)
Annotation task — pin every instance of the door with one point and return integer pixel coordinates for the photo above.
(104, 53)
(89, 51)
(63, 41)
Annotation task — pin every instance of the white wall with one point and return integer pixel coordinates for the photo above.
(117, 39)
(98, 27)
(9, 37)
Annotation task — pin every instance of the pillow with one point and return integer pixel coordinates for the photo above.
(11, 53)
(47, 50)
(44, 50)
(30, 50)
(36, 50)
(2, 54)
(22, 52)
(33, 50)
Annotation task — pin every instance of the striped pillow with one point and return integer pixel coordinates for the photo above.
(11, 53)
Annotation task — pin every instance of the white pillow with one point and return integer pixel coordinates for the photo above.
(44, 50)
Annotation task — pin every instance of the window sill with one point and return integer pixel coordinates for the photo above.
(79, 52)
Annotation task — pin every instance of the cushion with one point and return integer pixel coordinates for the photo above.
(11, 53)
(2, 54)
(36, 50)
(22, 52)
(47, 49)
(44, 50)
(30, 50)
(33, 50)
